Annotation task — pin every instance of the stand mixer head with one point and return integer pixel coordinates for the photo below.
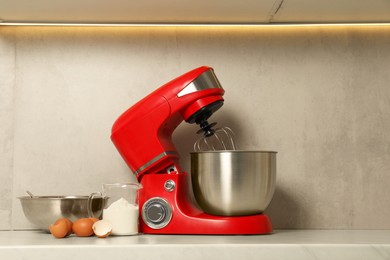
(143, 134)
(143, 137)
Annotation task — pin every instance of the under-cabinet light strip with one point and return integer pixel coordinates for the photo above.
(2, 23)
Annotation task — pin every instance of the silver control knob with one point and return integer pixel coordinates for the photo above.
(169, 185)
(156, 213)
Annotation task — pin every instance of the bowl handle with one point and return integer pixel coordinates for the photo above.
(89, 204)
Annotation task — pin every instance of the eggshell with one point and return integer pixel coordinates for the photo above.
(83, 227)
(60, 228)
(102, 228)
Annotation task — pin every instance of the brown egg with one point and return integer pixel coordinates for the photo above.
(83, 227)
(70, 224)
(94, 219)
(61, 228)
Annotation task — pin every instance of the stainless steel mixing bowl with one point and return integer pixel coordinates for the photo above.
(233, 183)
(42, 211)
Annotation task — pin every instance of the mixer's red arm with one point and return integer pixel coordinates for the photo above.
(143, 134)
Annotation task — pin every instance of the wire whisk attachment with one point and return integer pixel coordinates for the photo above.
(215, 140)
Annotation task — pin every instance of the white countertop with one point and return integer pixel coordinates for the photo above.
(283, 244)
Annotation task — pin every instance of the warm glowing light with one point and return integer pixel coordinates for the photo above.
(190, 25)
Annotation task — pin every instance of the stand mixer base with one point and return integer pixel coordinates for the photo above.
(169, 211)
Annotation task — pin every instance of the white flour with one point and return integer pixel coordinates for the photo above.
(123, 217)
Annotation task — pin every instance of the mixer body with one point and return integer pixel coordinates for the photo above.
(168, 209)
(143, 137)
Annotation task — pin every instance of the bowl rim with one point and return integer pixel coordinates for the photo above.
(67, 197)
(234, 151)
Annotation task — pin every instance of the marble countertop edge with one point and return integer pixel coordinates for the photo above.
(282, 244)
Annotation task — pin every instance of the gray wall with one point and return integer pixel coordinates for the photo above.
(319, 96)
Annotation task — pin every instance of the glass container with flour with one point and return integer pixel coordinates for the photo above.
(121, 207)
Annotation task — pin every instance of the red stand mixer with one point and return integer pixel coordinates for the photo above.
(143, 137)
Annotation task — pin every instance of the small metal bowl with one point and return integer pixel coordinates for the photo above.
(233, 183)
(43, 211)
